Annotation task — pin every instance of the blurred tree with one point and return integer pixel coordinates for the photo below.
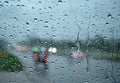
(100, 43)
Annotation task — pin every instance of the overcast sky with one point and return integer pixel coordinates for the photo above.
(56, 19)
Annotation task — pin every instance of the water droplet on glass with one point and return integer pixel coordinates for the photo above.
(25, 57)
(60, 1)
(35, 19)
(107, 23)
(118, 14)
(86, 82)
(28, 30)
(1, 5)
(6, 1)
(109, 16)
(50, 7)
(23, 5)
(54, 36)
(33, 7)
(18, 5)
(41, 20)
(31, 68)
(46, 27)
(66, 15)
(39, 2)
(52, 62)
(62, 67)
(24, 13)
(46, 22)
(27, 23)
(15, 18)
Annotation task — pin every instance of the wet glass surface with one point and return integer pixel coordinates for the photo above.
(59, 41)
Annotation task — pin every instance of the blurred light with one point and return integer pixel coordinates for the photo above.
(74, 54)
(52, 49)
(19, 48)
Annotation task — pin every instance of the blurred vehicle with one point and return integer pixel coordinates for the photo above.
(75, 53)
(41, 56)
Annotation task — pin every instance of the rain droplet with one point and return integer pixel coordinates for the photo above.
(1, 5)
(40, 9)
(41, 20)
(27, 23)
(119, 76)
(28, 30)
(107, 23)
(35, 18)
(118, 14)
(93, 24)
(115, 3)
(11, 81)
(47, 33)
(62, 67)
(11, 35)
(39, 2)
(46, 27)
(23, 5)
(31, 72)
(56, 68)
(66, 15)
(2, 35)
(25, 57)
(46, 22)
(30, 67)
(109, 16)
(52, 62)
(113, 7)
(54, 36)
(6, 1)
(24, 13)
(18, 5)
(33, 7)
(15, 18)
(86, 82)
(60, 1)
(50, 7)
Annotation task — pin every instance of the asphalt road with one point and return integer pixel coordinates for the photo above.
(63, 70)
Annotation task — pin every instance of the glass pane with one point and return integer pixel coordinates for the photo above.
(59, 41)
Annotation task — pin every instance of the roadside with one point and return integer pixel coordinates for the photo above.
(103, 55)
(61, 69)
(17, 77)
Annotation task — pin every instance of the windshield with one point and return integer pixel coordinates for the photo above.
(80, 40)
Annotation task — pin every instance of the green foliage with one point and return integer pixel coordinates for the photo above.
(10, 63)
(32, 42)
(97, 43)
(103, 44)
(63, 46)
(100, 45)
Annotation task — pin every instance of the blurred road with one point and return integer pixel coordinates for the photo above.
(63, 70)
